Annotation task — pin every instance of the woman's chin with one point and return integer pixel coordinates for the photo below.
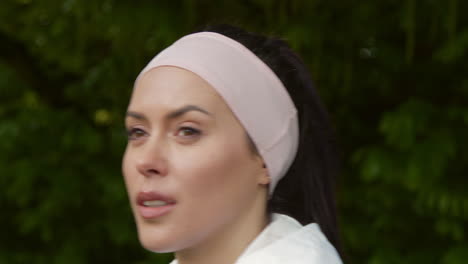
(157, 245)
(157, 249)
(158, 239)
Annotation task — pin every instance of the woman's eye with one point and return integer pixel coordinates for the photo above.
(188, 132)
(135, 133)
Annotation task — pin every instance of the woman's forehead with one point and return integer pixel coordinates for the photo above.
(172, 88)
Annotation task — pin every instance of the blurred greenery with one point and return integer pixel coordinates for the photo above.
(393, 74)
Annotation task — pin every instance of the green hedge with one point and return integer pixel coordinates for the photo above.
(393, 74)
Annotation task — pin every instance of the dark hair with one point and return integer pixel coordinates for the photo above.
(306, 193)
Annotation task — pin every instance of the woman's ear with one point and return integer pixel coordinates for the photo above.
(264, 176)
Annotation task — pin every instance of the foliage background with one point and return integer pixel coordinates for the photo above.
(392, 73)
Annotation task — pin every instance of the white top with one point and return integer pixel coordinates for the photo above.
(285, 240)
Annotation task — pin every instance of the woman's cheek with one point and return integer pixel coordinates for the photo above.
(126, 168)
(204, 165)
(224, 170)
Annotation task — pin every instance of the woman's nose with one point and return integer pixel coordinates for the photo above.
(152, 160)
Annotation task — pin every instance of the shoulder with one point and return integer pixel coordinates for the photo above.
(290, 243)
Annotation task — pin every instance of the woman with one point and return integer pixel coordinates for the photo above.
(214, 123)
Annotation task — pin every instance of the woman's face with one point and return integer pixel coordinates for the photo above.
(189, 171)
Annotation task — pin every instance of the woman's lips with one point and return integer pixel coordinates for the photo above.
(152, 204)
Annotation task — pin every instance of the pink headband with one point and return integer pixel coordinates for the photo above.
(251, 89)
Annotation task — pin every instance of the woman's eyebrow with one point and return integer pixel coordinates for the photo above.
(136, 115)
(181, 111)
(172, 115)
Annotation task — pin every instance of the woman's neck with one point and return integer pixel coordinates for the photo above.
(228, 244)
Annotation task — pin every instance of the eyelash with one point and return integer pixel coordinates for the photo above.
(131, 133)
(194, 131)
